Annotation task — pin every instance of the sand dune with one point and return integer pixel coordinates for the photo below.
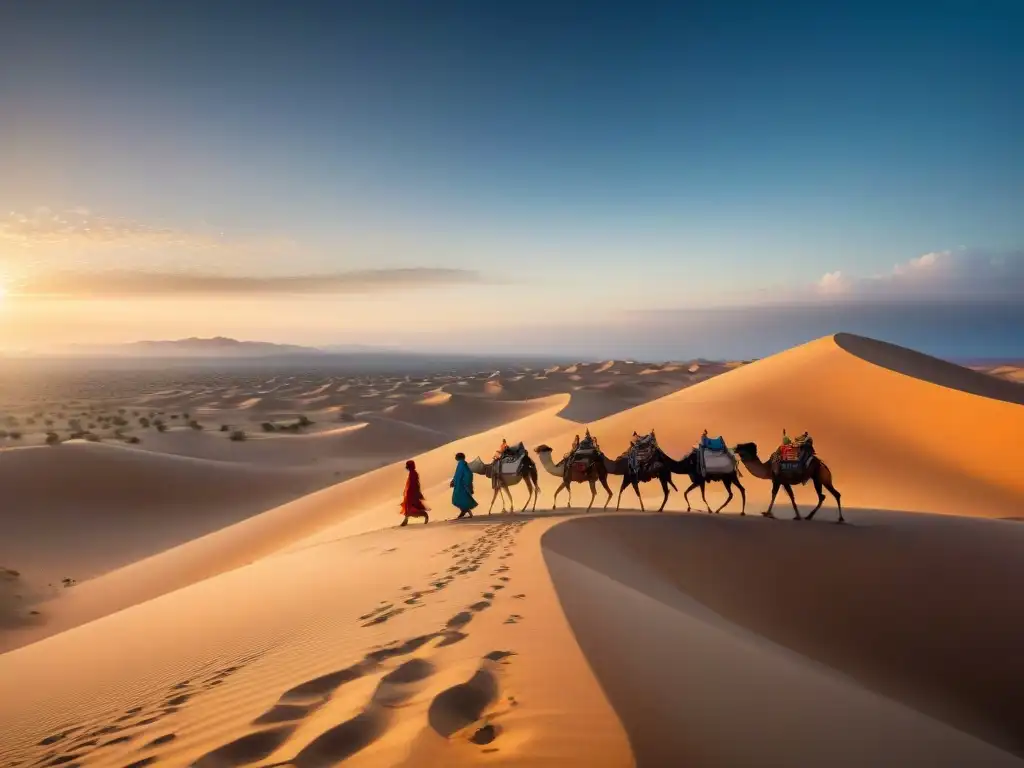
(317, 632)
(84, 509)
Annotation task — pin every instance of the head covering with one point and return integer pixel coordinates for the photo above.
(460, 456)
(410, 464)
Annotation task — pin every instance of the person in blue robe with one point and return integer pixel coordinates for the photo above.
(462, 487)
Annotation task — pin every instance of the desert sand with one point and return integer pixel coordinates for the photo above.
(243, 630)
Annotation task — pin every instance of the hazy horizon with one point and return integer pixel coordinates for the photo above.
(592, 180)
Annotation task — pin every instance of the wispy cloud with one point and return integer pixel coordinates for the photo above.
(127, 283)
(961, 274)
(44, 226)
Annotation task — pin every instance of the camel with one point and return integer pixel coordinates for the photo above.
(690, 466)
(527, 472)
(591, 472)
(662, 464)
(814, 470)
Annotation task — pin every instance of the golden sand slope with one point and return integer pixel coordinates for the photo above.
(309, 635)
(722, 641)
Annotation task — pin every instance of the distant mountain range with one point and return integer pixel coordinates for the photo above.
(217, 347)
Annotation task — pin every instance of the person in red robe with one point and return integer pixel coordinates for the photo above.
(413, 501)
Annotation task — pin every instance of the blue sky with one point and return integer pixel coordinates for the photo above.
(538, 157)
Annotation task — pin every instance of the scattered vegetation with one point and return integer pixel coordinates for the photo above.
(133, 440)
(238, 435)
(268, 426)
(15, 435)
(52, 438)
(144, 422)
(161, 427)
(195, 425)
(225, 427)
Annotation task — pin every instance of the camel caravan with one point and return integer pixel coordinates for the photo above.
(795, 462)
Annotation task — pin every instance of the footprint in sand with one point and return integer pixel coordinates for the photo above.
(460, 706)
(515, 618)
(388, 615)
(346, 739)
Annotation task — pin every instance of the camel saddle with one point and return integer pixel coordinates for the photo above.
(643, 454)
(512, 459)
(793, 457)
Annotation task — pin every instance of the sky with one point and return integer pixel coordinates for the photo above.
(721, 179)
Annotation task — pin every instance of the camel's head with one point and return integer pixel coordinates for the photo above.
(746, 450)
(542, 449)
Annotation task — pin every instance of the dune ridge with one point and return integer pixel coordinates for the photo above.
(318, 632)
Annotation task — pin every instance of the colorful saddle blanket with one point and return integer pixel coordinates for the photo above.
(789, 453)
(713, 443)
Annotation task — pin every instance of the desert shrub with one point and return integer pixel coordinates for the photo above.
(122, 411)
(144, 422)
(185, 416)
(30, 421)
(92, 425)
(52, 438)
(195, 424)
(161, 427)
(268, 426)
(133, 440)
(15, 435)
(238, 435)
(92, 437)
(225, 427)
(68, 582)
(304, 421)
(48, 422)
(119, 422)
(174, 415)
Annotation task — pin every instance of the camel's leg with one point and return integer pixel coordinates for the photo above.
(536, 494)
(743, 495)
(494, 496)
(604, 482)
(625, 482)
(686, 495)
(665, 483)
(511, 502)
(728, 490)
(558, 490)
(593, 494)
(792, 499)
(821, 497)
(775, 492)
(704, 498)
(824, 477)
